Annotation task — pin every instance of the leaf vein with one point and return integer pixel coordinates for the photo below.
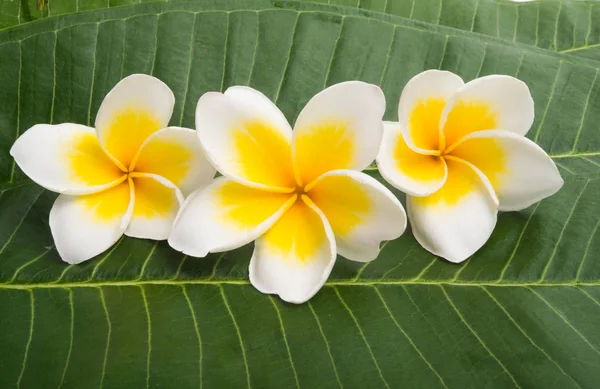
(560, 236)
(587, 249)
(287, 60)
(145, 301)
(18, 131)
(537, 131)
(362, 336)
(583, 114)
(335, 46)
(197, 329)
(512, 255)
(18, 270)
(189, 72)
(12, 235)
(397, 265)
(287, 346)
(239, 335)
(225, 53)
(478, 338)
(409, 338)
(565, 320)
(527, 336)
(89, 112)
(28, 340)
(72, 306)
(108, 334)
(337, 377)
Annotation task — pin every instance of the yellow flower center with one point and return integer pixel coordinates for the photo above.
(300, 190)
(445, 145)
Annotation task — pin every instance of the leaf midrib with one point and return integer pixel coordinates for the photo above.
(69, 285)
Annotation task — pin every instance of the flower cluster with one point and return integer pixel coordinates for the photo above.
(458, 151)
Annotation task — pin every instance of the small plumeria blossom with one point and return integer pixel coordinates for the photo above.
(460, 154)
(300, 194)
(128, 176)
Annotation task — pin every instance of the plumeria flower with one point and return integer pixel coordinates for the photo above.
(460, 153)
(128, 176)
(299, 194)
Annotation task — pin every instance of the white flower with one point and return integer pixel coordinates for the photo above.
(129, 175)
(298, 193)
(460, 154)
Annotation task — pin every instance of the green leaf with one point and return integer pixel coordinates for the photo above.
(522, 312)
(549, 24)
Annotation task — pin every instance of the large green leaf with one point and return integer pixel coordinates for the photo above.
(571, 26)
(522, 312)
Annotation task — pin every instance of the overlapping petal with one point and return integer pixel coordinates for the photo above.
(295, 257)
(122, 177)
(157, 201)
(65, 158)
(175, 154)
(458, 219)
(339, 128)
(226, 215)
(518, 169)
(421, 105)
(85, 226)
(480, 162)
(360, 210)
(134, 109)
(270, 180)
(411, 172)
(246, 138)
(487, 103)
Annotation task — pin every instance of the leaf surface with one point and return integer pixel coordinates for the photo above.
(522, 312)
(570, 27)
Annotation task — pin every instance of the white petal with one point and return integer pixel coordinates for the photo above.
(254, 104)
(456, 221)
(85, 226)
(246, 138)
(421, 105)
(225, 215)
(134, 109)
(157, 201)
(175, 154)
(361, 211)
(339, 128)
(488, 103)
(519, 170)
(295, 257)
(411, 172)
(65, 158)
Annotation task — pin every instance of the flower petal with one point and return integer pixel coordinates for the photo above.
(85, 226)
(421, 105)
(458, 219)
(518, 169)
(157, 201)
(295, 257)
(134, 109)
(488, 103)
(361, 211)
(65, 158)
(225, 215)
(246, 138)
(254, 103)
(339, 128)
(411, 172)
(175, 154)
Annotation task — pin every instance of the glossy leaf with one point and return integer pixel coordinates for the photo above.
(570, 27)
(522, 312)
